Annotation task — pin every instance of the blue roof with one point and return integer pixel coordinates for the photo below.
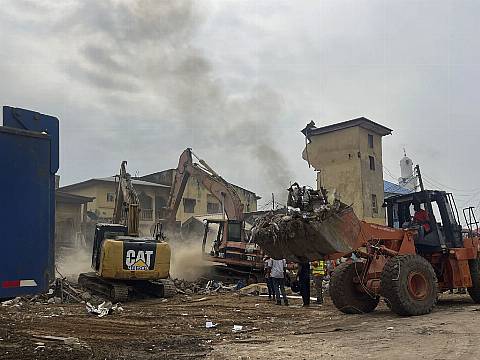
(392, 188)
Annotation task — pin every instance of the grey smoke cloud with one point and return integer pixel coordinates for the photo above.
(233, 79)
(146, 46)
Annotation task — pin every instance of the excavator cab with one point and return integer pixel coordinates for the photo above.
(230, 245)
(102, 232)
(445, 229)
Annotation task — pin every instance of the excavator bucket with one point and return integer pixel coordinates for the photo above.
(313, 230)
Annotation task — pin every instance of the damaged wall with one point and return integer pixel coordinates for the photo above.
(202, 202)
(348, 159)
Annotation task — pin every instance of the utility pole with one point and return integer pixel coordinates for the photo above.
(419, 175)
(273, 201)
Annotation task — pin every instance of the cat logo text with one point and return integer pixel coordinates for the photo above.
(138, 260)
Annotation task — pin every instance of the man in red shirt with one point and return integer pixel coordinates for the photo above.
(421, 218)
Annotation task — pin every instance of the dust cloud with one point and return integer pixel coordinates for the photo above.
(72, 262)
(187, 262)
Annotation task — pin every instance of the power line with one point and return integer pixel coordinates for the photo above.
(389, 173)
(438, 183)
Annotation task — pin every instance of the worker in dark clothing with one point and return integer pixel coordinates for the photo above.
(268, 279)
(304, 282)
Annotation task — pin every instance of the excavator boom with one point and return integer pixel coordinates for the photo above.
(214, 183)
(127, 208)
(230, 247)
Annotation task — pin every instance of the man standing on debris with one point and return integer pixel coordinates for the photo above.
(318, 273)
(304, 282)
(276, 270)
(268, 278)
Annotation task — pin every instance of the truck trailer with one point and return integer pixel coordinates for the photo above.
(29, 148)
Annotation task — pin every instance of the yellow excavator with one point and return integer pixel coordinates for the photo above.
(124, 262)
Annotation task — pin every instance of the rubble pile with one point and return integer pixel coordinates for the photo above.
(314, 226)
(61, 291)
(201, 287)
(190, 287)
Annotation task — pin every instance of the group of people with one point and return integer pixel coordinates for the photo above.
(275, 274)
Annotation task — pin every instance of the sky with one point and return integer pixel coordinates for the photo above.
(141, 80)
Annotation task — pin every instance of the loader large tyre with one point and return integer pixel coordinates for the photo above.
(344, 290)
(409, 284)
(474, 291)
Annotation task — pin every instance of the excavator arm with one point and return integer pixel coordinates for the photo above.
(127, 208)
(214, 183)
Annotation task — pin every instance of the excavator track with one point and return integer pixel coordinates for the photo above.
(119, 293)
(169, 289)
(114, 290)
(163, 288)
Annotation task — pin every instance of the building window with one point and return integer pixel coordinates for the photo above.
(374, 204)
(110, 197)
(213, 208)
(372, 162)
(145, 201)
(189, 206)
(370, 141)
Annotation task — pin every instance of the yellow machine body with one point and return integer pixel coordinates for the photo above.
(122, 259)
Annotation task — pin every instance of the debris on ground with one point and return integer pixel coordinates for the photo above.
(254, 289)
(103, 309)
(154, 329)
(201, 287)
(190, 287)
(66, 340)
(13, 302)
(313, 227)
(210, 324)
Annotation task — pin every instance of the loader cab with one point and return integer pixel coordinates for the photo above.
(102, 232)
(445, 229)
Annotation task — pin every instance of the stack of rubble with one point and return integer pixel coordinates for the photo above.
(315, 226)
(200, 287)
(61, 291)
(189, 287)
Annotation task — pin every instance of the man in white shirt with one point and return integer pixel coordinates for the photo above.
(276, 270)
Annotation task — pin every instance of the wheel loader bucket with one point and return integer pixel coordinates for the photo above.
(297, 238)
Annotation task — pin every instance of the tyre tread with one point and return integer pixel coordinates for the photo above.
(393, 290)
(343, 297)
(474, 291)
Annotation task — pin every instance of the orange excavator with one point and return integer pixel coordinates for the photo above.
(231, 245)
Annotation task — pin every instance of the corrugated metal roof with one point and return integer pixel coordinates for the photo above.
(72, 198)
(392, 188)
(111, 179)
(134, 182)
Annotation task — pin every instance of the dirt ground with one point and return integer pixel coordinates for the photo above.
(175, 329)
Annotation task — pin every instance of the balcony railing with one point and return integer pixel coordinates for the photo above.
(146, 215)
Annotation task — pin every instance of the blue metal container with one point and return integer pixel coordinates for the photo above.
(28, 163)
